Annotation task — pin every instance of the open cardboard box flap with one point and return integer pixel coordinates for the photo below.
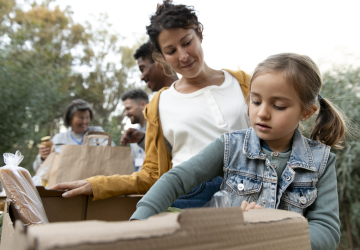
(204, 228)
(59, 209)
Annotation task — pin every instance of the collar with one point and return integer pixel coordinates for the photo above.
(301, 156)
(151, 111)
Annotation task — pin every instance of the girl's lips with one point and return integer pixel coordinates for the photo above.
(263, 127)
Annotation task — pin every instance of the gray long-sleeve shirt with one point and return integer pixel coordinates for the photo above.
(322, 215)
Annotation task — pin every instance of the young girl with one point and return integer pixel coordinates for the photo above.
(271, 165)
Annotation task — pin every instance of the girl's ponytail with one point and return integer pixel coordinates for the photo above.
(330, 124)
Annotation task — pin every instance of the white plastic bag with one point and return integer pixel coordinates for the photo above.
(21, 190)
(219, 199)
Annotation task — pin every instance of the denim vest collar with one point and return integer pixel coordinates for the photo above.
(301, 156)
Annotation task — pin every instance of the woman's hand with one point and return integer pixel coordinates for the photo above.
(74, 188)
(246, 206)
(44, 152)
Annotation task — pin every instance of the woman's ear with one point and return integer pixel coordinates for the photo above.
(309, 112)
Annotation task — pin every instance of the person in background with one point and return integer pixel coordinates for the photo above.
(77, 117)
(156, 77)
(134, 102)
(182, 119)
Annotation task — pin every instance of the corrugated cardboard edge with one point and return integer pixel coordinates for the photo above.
(101, 232)
(161, 225)
(270, 215)
(204, 228)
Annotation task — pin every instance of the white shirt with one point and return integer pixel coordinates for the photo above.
(191, 121)
(138, 153)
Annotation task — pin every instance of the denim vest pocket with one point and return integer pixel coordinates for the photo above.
(244, 185)
(297, 199)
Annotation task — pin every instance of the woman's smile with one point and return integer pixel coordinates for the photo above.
(188, 66)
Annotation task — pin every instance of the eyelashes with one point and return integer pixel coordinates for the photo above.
(276, 107)
(184, 45)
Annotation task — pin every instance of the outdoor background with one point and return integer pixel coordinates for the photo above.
(52, 52)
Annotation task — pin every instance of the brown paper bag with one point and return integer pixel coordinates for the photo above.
(77, 162)
(52, 172)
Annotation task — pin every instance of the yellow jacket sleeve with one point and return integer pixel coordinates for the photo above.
(157, 162)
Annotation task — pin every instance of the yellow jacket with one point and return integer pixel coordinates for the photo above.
(157, 158)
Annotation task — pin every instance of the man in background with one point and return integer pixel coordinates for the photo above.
(134, 102)
(152, 73)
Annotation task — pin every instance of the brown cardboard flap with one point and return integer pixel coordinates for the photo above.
(95, 232)
(268, 215)
(206, 217)
(204, 228)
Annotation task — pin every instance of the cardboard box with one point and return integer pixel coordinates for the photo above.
(59, 209)
(204, 228)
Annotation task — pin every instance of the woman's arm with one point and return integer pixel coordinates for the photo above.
(323, 214)
(138, 182)
(180, 180)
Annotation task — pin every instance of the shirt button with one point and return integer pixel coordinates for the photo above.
(288, 178)
(276, 154)
(263, 202)
(274, 166)
(303, 200)
(240, 187)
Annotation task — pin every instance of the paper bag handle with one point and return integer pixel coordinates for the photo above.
(96, 134)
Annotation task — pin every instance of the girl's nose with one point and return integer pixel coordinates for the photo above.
(263, 112)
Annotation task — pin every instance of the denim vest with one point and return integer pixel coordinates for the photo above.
(249, 175)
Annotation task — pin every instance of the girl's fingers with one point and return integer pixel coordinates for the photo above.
(250, 206)
(246, 206)
(243, 206)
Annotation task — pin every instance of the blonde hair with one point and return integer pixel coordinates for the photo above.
(303, 74)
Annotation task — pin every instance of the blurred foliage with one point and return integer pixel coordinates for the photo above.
(341, 87)
(47, 60)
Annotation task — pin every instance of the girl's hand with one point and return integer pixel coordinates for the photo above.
(245, 206)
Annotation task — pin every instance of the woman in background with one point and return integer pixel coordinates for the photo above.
(77, 117)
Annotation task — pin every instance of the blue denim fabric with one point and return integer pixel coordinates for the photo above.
(200, 195)
(249, 175)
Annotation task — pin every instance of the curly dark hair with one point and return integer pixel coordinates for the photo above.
(76, 105)
(144, 51)
(136, 95)
(169, 16)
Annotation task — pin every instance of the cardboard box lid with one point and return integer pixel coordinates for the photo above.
(205, 228)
